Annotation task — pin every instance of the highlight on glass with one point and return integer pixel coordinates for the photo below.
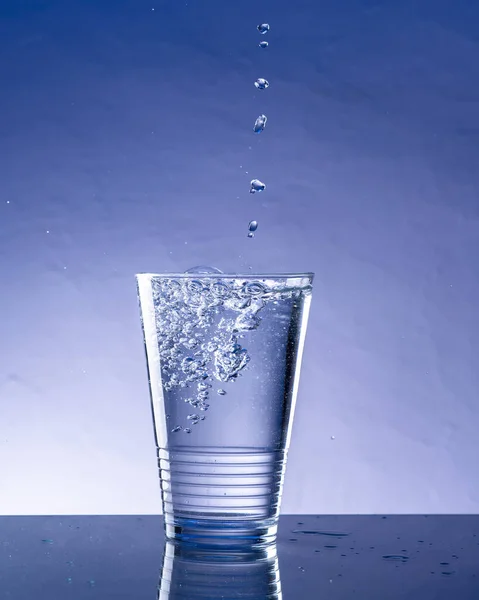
(223, 355)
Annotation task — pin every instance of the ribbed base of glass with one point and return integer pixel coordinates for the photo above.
(219, 533)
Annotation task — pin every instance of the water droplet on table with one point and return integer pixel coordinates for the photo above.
(256, 186)
(263, 44)
(263, 28)
(260, 124)
(334, 534)
(396, 557)
(261, 83)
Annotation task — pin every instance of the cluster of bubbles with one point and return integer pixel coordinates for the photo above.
(199, 325)
(260, 84)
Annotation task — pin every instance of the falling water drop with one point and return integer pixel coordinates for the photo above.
(261, 83)
(256, 186)
(263, 44)
(263, 28)
(260, 124)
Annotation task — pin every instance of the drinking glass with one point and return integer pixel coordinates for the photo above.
(223, 355)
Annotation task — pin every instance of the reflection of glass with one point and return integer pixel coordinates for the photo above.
(223, 354)
(193, 574)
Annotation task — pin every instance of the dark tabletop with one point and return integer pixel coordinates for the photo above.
(325, 557)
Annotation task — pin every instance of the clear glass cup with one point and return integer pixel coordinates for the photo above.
(223, 355)
(191, 573)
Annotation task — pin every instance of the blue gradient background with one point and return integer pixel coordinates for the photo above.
(126, 145)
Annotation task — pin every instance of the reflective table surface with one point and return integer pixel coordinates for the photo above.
(325, 557)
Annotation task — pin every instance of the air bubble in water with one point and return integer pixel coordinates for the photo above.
(202, 270)
(175, 429)
(222, 392)
(220, 289)
(250, 235)
(254, 288)
(263, 44)
(263, 28)
(256, 186)
(261, 84)
(187, 430)
(260, 124)
(253, 225)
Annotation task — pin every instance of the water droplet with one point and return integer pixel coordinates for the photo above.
(222, 392)
(253, 225)
(302, 569)
(91, 583)
(396, 557)
(250, 235)
(175, 429)
(263, 44)
(263, 28)
(332, 437)
(260, 124)
(69, 579)
(202, 270)
(261, 83)
(256, 186)
(187, 430)
(335, 534)
(47, 541)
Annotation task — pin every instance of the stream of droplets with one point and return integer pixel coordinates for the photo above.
(259, 125)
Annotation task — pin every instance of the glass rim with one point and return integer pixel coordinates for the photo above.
(254, 276)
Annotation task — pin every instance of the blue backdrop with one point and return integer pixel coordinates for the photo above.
(126, 145)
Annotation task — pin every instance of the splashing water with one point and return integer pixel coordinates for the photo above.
(260, 124)
(256, 186)
(261, 83)
(217, 315)
(202, 270)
